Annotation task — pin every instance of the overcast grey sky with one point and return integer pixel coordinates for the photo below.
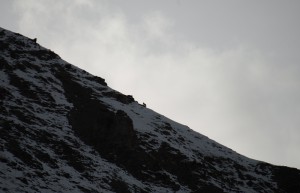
(227, 69)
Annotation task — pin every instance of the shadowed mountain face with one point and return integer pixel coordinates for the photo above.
(64, 130)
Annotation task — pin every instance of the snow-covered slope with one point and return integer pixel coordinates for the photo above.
(64, 130)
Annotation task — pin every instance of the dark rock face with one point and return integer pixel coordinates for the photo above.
(62, 129)
(108, 131)
(287, 178)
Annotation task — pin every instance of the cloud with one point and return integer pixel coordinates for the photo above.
(235, 96)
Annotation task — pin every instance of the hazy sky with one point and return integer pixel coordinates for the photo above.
(228, 69)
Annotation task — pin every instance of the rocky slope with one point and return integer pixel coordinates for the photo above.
(64, 130)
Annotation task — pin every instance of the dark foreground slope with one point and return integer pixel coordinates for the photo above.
(64, 130)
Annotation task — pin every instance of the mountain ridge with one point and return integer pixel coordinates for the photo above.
(64, 130)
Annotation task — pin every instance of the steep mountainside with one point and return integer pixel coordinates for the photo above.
(64, 130)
